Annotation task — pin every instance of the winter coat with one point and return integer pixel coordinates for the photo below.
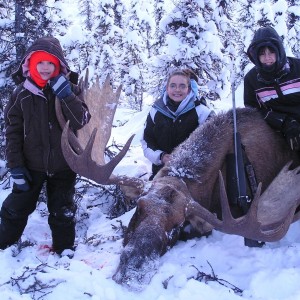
(33, 134)
(276, 92)
(282, 95)
(165, 129)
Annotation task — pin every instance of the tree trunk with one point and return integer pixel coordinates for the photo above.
(20, 29)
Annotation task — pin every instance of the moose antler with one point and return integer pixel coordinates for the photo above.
(269, 216)
(85, 152)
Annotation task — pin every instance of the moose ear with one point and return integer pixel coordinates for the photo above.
(140, 205)
(194, 218)
(138, 216)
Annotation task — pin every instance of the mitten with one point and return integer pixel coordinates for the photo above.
(291, 131)
(21, 178)
(61, 86)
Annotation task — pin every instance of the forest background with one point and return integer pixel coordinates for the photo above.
(138, 42)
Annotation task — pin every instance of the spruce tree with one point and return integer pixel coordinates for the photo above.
(106, 41)
(264, 15)
(159, 12)
(119, 21)
(293, 23)
(84, 45)
(223, 16)
(193, 41)
(137, 50)
(246, 21)
(30, 22)
(7, 62)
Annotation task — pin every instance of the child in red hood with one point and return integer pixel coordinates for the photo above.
(33, 143)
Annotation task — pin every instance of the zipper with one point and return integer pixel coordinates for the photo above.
(278, 90)
(46, 93)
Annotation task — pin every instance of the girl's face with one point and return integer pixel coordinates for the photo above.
(267, 56)
(178, 87)
(45, 69)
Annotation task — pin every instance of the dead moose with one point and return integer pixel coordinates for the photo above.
(191, 188)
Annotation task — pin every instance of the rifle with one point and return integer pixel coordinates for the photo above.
(243, 199)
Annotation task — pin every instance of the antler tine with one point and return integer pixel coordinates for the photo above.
(106, 85)
(85, 151)
(195, 211)
(83, 84)
(229, 224)
(83, 164)
(248, 225)
(84, 81)
(226, 213)
(257, 223)
(62, 122)
(253, 210)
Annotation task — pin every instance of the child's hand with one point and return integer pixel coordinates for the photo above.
(21, 178)
(165, 158)
(291, 131)
(61, 86)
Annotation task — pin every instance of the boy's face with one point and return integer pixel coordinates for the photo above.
(267, 56)
(45, 69)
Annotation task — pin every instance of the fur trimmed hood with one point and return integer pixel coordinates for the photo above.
(48, 44)
(267, 37)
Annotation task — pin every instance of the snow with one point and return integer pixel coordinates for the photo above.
(217, 267)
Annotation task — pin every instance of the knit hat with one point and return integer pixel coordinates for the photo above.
(36, 58)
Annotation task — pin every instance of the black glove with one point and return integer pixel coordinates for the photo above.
(61, 86)
(291, 131)
(273, 118)
(21, 178)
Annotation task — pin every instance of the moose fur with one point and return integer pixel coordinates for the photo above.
(192, 176)
(190, 188)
